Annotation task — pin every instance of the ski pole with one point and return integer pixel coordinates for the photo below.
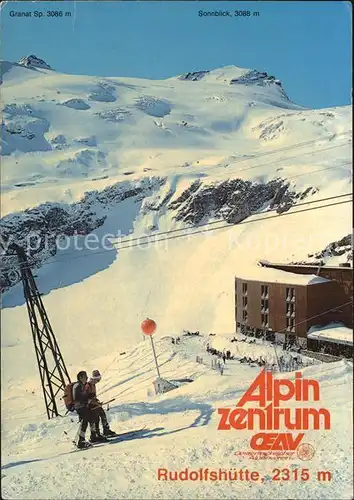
(71, 427)
(109, 401)
(77, 434)
(105, 403)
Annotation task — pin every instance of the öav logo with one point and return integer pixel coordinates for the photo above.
(268, 394)
(305, 451)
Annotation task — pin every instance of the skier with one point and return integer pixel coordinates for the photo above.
(96, 405)
(224, 358)
(81, 397)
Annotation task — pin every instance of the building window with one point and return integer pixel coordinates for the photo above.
(264, 306)
(290, 324)
(244, 302)
(265, 322)
(290, 310)
(290, 294)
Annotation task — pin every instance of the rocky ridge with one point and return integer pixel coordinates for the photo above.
(342, 247)
(232, 201)
(32, 61)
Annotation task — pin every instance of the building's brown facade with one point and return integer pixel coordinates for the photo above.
(341, 294)
(292, 309)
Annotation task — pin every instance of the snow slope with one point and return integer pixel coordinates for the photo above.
(74, 129)
(181, 431)
(114, 157)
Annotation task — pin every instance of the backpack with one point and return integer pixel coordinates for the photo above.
(68, 397)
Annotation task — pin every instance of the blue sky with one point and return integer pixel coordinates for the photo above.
(307, 45)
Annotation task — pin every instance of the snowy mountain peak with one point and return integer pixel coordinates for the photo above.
(194, 76)
(233, 75)
(256, 77)
(225, 73)
(33, 61)
(260, 79)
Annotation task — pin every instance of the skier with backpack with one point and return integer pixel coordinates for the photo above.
(96, 405)
(77, 397)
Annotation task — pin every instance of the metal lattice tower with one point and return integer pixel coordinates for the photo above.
(52, 369)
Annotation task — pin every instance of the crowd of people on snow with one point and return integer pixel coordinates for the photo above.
(187, 332)
(245, 359)
(224, 355)
(333, 349)
(258, 361)
(81, 396)
(287, 362)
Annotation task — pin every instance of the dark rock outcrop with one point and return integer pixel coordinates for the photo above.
(260, 79)
(33, 61)
(336, 248)
(285, 198)
(342, 247)
(255, 77)
(194, 76)
(39, 229)
(232, 200)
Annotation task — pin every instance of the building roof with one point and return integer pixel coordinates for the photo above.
(334, 332)
(266, 263)
(269, 275)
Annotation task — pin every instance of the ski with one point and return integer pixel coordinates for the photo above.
(89, 445)
(111, 439)
(134, 431)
